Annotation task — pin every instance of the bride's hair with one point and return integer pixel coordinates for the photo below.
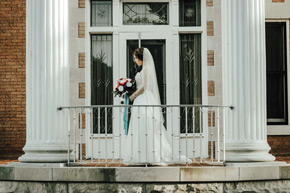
(138, 53)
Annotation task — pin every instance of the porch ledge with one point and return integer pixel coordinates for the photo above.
(38, 173)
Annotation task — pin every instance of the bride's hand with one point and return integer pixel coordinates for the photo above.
(132, 97)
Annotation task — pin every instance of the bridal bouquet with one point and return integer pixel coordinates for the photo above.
(124, 86)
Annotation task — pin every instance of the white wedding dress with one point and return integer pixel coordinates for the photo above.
(148, 142)
(139, 148)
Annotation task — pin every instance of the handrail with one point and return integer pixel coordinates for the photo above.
(103, 106)
(187, 125)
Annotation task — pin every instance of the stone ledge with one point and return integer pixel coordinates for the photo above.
(142, 174)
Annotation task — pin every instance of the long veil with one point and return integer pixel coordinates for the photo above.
(149, 80)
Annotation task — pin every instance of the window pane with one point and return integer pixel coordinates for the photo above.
(145, 14)
(102, 80)
(157, 49)
(276, 73)
(101, 13)
(275, 96)
(189, 13)
(275, 47)
(190, 78)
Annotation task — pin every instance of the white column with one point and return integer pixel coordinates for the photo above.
(244, 80)
(47, 83)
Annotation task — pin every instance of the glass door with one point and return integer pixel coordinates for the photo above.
(158, 51)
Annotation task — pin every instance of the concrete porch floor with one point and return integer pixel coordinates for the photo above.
(87, 178)
(197, 172)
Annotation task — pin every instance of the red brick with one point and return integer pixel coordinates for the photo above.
(279, 144)
(210, 88)
(12, 89)
(209, 3)
(82, 3)
(210, 28)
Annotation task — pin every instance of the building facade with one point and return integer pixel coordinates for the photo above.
(67, 41)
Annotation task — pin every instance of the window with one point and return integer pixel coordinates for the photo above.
(101, 13)
(189, 13)
(276, 57)
(102, 81)
(145, 14)
(190, 79)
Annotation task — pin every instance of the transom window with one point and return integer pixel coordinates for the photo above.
(145, 14)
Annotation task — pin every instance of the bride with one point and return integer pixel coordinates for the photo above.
(147, 141)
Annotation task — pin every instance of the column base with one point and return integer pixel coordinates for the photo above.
(248, 152)
(47, 153)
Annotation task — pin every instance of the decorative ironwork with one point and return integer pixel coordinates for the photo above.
(189, 13)
(145, 14)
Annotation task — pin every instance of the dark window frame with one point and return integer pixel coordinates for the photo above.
(285, 76)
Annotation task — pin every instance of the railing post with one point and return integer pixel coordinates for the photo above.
(99, 132)
(179, 138)
(218, 133)
(160, 133)
(68, 148)
(120, 137)
(200, 132)
(193, 132)
(172, 133)
(92, 132)
(75, 134)
(132, 134)
(139, 158)
(113, 135)
(106, 132)
(146, 136)
(211, 134)
(186, 132)
(153, 135)
(81, 135)
(224, 133)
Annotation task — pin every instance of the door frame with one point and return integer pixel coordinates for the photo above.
(172, 32)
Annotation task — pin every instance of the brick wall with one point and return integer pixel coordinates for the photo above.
(12, 78)
(280, 145)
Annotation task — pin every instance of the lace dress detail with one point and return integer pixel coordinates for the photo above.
(138, 79)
